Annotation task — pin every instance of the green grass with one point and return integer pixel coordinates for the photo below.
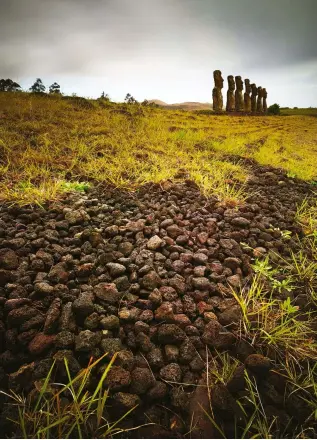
(299, 111)
(49, 142)
(68, 410)
(253, 419)
(270, 318)
(306, 215)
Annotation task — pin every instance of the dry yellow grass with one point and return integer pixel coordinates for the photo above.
(46, 141)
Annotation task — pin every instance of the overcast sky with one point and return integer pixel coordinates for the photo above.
(162, 49)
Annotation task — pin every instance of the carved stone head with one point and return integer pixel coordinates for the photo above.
(264, 93)
(239, 83)
(260, 92)
(218, 79)
(231, 83)
(247, 86)
(254, 89)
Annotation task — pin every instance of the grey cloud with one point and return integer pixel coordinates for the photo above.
(122, 38)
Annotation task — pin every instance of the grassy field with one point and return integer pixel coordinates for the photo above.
(52, 144)
(312, 111)
(49, 143)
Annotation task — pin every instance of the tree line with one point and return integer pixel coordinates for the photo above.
(8, 85)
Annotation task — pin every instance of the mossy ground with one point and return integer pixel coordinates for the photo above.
(48, 141)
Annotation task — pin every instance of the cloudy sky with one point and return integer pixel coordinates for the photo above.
(162, 49)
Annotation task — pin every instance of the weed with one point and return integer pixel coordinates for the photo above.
(286, 235)
(273, 323)
(254, 418)
(283, 285)
(67, 410)
(263, 268)
(75, 186)
(221, 368)
(306, 215)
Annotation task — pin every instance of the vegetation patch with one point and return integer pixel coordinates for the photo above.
(57, 139)
(172, 252)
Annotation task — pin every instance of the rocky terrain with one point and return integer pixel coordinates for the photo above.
(148, 275)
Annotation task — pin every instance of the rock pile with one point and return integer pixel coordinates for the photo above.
(148, 275)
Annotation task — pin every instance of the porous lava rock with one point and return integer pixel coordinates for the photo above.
(147, 277)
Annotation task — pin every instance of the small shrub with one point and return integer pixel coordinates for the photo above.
(79, 102)
(274, 109)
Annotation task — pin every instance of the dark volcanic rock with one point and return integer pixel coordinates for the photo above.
(157, 392)
(41, 343)
(171, 373)
(123, 402)
(117, 378)
(5, 277)
(87, 340)
(170, 334)
(111, 346)
(64, 339)
(155, 358)
(52, 316)
(174, 231)
(20, 315)
(258, 364)
(58, 273)
(110, 322)
(141, 380)
(115, 269)
(147, 276)
(43, 289)
(107, 292)
(151, 280)
(21, 380)
(8, 259)
(216, 336)
(223, 401)
(231, 315)
(83, 305)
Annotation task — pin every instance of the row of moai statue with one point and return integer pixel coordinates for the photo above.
(236, 102)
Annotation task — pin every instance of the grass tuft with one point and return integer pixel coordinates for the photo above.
(68, 410)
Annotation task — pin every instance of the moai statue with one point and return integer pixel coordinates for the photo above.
(259, 103)
(264, 100)
(230, 94)
(254, 92)
(239, 105)
(216, 93)
(247, 98)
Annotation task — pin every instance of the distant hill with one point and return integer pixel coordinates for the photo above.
(158, 102)
(184, 105)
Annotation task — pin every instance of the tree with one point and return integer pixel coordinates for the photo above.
(7, 85)
(104, 96)
(55, 89)
(38, 86)
(129, 99)
(274, 109)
